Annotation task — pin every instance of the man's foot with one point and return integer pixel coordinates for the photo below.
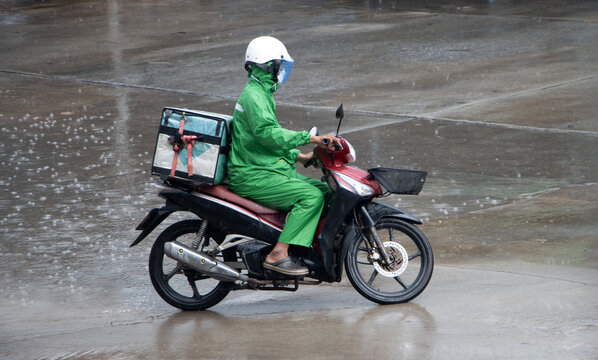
(286, 266)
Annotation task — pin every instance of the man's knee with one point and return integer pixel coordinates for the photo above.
(313, 197)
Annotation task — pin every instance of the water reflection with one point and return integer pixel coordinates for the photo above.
(121, 136)
(361, 332)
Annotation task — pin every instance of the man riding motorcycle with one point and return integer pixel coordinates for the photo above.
(261, 164)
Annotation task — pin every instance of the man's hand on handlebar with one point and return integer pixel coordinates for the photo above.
(328, 142)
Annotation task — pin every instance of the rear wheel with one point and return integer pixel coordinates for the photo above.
(179, 285)
(410, 268)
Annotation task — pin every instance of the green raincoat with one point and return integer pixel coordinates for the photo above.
(261, 163)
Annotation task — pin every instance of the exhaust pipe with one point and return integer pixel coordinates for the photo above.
(202, 262)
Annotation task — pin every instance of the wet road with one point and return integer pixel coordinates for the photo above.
(496, 100)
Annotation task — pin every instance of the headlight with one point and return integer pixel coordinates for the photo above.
(359, 188)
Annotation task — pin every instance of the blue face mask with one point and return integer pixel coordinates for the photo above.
(285, 70)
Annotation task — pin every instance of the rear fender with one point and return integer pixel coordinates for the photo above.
(153, 219)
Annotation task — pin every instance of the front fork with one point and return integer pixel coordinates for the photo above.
(368, 223)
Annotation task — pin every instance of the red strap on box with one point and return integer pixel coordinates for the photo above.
(188, 141)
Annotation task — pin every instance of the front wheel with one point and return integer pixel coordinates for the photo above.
(410, 268)
(179, 285)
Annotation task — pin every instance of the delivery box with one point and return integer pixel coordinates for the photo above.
(192, 146)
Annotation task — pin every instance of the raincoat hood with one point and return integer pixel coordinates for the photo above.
(264, 78)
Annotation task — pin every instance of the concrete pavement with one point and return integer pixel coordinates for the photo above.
(495, 100)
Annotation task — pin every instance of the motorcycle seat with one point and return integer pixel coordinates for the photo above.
(222, 192)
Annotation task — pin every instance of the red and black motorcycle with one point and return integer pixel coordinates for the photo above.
(195, 263)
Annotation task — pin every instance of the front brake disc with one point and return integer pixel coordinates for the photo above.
(399, 260)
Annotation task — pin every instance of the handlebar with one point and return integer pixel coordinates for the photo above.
(326, 141)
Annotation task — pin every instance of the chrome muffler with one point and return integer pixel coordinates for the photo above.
(202, 262)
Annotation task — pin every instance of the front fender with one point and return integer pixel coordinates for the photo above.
(379, 210)
(153, 219)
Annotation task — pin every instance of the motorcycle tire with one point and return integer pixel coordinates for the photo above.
(180, 286)
(408, 274)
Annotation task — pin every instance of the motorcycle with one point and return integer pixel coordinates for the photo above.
(194, 264)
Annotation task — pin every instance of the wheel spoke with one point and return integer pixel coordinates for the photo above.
(194, 288)
(374, 274)
(419, 253)
(398, 279)
(173, 272)
(390, 234)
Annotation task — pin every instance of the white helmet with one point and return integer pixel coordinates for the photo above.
(264, 49)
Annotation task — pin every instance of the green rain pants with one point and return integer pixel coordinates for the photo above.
(301, 196)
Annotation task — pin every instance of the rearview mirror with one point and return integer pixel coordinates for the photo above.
(340, 112)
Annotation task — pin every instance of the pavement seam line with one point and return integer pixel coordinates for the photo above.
(512, 126)
(520, 16)
(520, 274)
(111, 83)
(512, 95)
(406, 117)
(464, 121)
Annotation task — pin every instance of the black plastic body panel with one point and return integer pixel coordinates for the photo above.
(227, 217)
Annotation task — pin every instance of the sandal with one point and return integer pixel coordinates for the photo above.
(286, 266)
